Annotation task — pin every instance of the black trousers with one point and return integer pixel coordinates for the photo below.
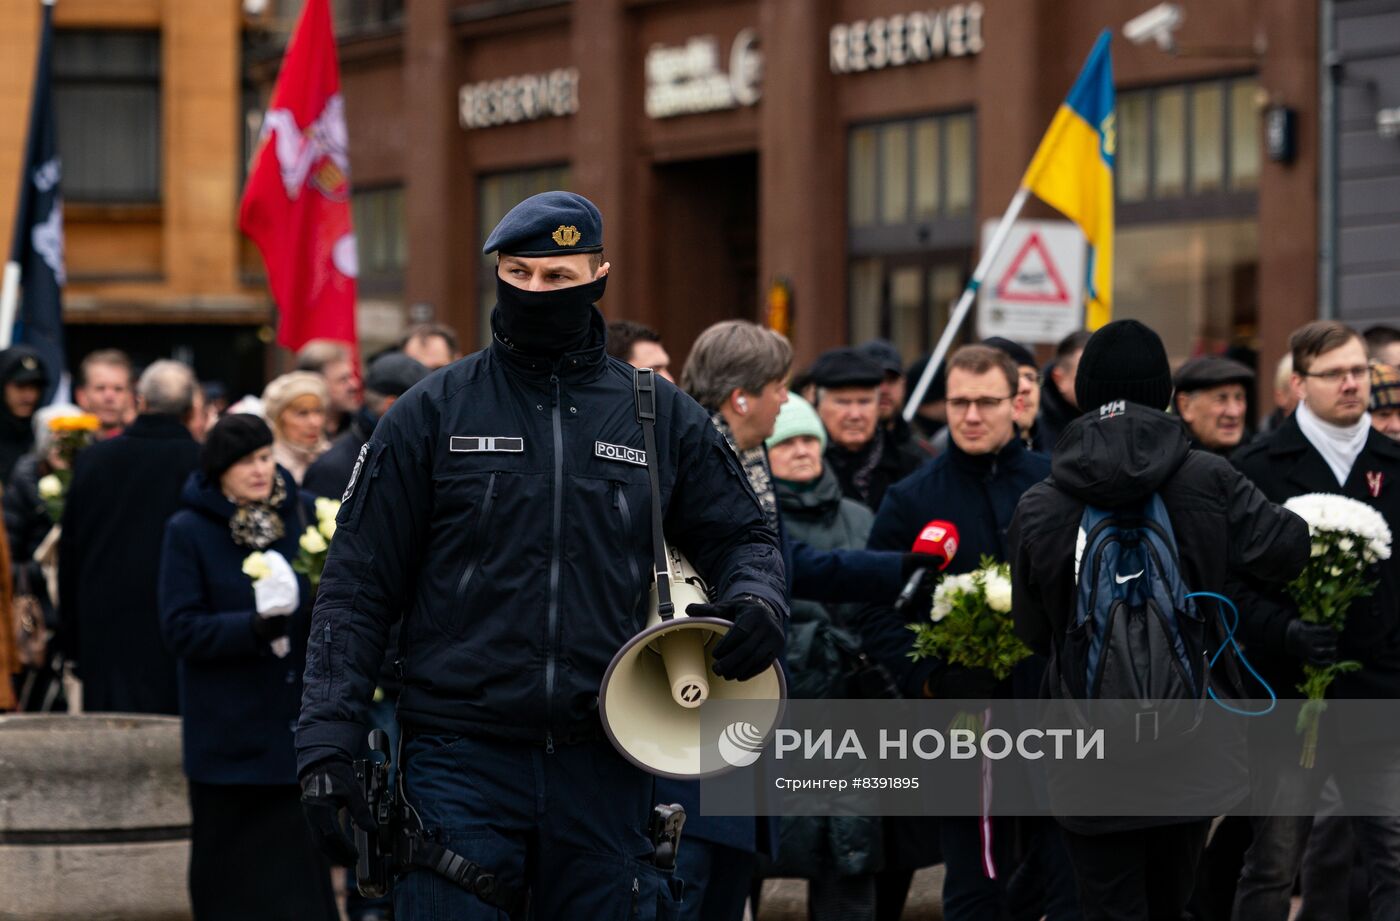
(1145, 873)
(252, 856)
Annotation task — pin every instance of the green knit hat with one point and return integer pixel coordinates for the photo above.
(797, 417)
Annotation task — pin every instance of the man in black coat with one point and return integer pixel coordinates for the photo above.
(1058, 405)
(123, 491)
(1115, 457)
(866, 457)
(1328, 445)
(389, 377)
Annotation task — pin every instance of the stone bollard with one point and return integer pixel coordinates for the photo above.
(94, 818)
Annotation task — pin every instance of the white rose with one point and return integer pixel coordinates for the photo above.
(327, 528)
(327, 509)
(313, 542)
(999, 594)
(50, 487)
(255, 567)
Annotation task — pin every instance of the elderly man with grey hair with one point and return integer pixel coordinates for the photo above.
(122, 492)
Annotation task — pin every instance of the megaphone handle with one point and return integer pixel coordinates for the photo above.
(644, 386)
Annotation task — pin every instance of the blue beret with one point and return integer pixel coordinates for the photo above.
(548, 224)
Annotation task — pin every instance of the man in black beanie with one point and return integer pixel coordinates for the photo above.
(1117, 456)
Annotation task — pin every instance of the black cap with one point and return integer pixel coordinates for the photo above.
(884, 354)
(394, 373)
(845, 367)
(937, 388)
(548, 224)
(1207, 371)
(21, 364)
(232, 438)
(1018, 352)
(1124, 360)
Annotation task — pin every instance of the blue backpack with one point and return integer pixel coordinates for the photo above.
(1137, 638)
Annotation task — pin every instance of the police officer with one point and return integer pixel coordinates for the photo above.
(500, 510)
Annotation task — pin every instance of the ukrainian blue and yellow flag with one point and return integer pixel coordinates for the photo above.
(1073, 172)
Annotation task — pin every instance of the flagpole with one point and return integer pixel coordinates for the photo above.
(984, 265)
(9, 303)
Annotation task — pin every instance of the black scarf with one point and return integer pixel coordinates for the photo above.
(546, 322)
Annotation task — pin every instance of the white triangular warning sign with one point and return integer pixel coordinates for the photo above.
(1032, 277)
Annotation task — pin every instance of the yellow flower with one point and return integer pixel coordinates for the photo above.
(327, 509)
(312, 541)
(77, 423)
(327, 527)
(50, 487)
(255, 566)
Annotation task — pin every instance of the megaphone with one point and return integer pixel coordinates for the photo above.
(658, 683)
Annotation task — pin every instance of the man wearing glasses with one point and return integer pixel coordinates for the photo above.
(1327, 445)
(975, 484)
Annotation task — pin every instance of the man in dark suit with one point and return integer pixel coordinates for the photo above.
(122, 492)
(1329, 446)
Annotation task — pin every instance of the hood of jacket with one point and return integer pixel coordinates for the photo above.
(817, 500)
(1119, 458)
(208, 499)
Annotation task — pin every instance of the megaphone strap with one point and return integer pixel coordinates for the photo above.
(644, 385)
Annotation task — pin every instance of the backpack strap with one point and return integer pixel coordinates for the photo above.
(644, 386)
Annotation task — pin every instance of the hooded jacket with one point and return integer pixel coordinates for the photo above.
(1225, 527)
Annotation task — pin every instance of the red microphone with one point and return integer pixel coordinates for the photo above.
(939, 541)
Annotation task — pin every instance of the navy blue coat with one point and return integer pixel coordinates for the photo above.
(978, 493)
(502, 509)
(238, 700)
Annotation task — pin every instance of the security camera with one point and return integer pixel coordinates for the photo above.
(1158, 24)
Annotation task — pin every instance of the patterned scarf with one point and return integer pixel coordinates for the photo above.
(258, 525)
(755, 461)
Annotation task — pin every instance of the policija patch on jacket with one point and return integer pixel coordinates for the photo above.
(621, 453)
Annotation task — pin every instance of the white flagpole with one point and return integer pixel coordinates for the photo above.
(984, 265)
(9, 303)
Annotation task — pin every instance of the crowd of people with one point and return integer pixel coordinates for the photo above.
(133, 516)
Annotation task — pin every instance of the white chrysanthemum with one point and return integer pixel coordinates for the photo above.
(1327, 512)
(998, 592)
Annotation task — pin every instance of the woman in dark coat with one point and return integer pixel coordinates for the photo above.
(242, 651)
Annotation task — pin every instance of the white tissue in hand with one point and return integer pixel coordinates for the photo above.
(277, 593)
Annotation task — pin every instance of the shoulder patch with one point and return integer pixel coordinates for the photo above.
(355, 473)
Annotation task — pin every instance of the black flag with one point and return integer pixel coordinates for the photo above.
(37, 249)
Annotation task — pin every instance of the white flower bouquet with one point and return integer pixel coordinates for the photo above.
(1348, 537)
(970, 624)
(315, 543)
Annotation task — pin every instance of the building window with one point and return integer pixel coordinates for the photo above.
(380, 238)
(910, 233)
(1188, 150)
(497, 194)
(106, 88)
(1186, 256)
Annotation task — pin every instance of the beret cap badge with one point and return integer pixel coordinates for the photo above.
(28, 363)
(567, 235)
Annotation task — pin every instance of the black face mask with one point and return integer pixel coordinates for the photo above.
(546, 322)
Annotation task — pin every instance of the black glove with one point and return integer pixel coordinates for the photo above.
(1315, 644)
(328, 792)
(752, 644)
(270, 628)
(958, 682)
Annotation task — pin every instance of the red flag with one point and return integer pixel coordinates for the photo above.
(296, 206)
